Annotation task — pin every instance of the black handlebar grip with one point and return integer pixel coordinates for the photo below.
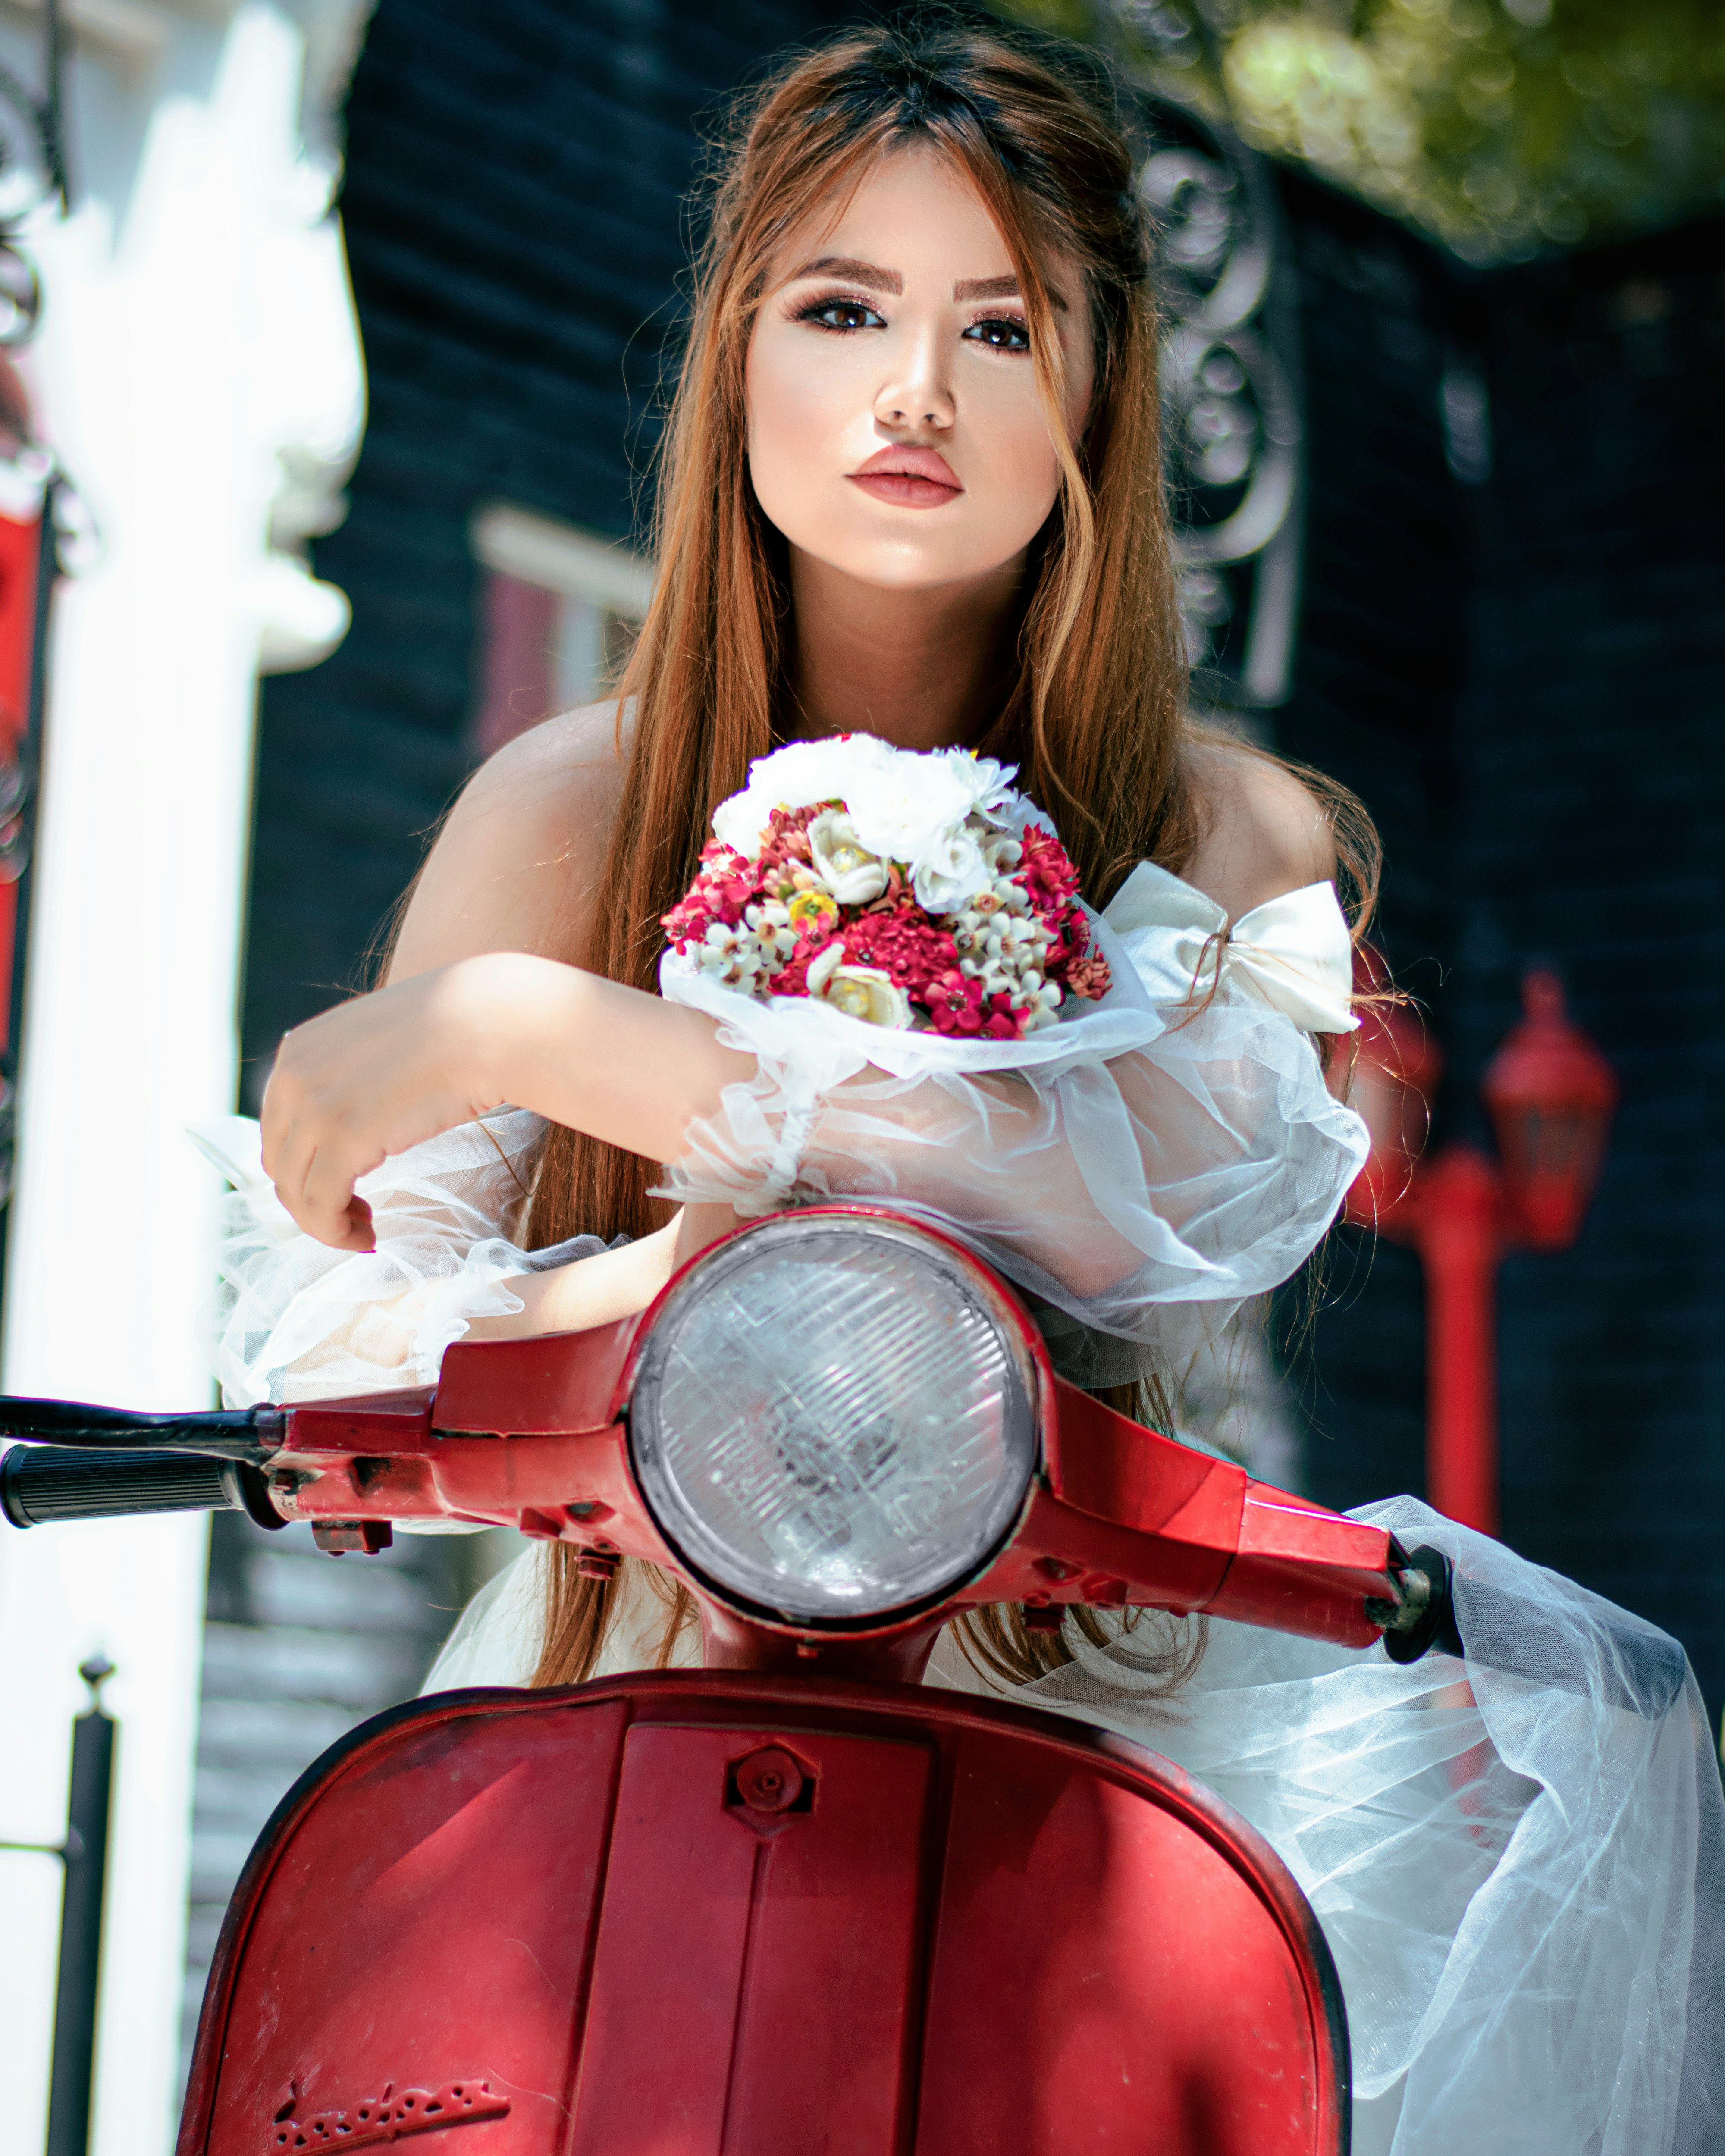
(250, 1434)
(43, 1483)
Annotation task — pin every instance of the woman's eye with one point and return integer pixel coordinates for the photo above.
(1001, 333)
(842, 314)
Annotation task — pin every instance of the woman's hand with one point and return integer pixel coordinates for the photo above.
(390, 1070)
(373, 1077)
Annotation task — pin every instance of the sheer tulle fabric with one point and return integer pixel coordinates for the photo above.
(1139, 1171)
(1518, 1860)
(293, 1320)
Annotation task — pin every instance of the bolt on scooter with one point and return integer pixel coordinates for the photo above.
(793, 1900)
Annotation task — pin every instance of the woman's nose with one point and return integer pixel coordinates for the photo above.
(917, 393)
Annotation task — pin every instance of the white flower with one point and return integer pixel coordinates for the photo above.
(741, 822)
(771, 923)
(795, 777)
(905, 806)
(993, 975)
(1016, 942)
(863, 992)
(944, 815)
(854, 876)
(947, 871)
(732, 955)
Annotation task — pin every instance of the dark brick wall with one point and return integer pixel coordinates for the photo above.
(1544, 749)
(514, 213)
(1378, 670)
(1591, 746)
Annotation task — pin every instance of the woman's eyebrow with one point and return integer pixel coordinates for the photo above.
(998, 288)
(861, 273)
(891, 280)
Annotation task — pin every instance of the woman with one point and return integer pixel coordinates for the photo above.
(911, 489)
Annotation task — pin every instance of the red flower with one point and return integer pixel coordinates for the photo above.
(1090, 977)
(1045, 869)
(954, 1004)
(904, 943)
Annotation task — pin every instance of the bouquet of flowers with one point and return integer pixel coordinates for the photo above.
(909, 890)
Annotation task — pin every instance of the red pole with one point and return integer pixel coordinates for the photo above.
(20, 548)
(1458, 1227)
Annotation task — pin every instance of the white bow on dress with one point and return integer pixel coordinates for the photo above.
(1293, 951)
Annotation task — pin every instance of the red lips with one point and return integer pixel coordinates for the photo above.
(908, 478)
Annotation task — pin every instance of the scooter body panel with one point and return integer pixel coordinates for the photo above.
(713, 1914)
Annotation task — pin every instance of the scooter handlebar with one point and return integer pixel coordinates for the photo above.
(250, 1434)
(539, 1434)
(40, 1483)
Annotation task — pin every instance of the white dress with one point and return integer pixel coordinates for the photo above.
(1519, 1861)
(1139, 1170)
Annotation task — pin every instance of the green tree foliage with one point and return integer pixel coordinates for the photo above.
(1502, 127)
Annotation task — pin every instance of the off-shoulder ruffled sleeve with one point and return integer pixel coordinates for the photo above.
(293, 1320)
(1139, 1170)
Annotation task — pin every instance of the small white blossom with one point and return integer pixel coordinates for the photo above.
(732, 955)
(771, 923)
(993, 975)
(967, 933)
(1014, 942)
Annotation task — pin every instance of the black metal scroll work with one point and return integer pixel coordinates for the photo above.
(33, 154)
(1230, 408)
(85, 1854)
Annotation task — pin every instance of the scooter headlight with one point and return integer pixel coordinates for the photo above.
(832, 1418)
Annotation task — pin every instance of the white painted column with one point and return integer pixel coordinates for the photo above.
(199, 373)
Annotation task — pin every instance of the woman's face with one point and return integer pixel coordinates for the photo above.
(895, 431)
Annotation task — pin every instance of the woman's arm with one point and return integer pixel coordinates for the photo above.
(438, 1047)
(389, 1070)
(510, 879)
(515, 863)
(475, 1011)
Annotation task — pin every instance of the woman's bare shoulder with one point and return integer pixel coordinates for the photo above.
(513, 863)
(1262, 830)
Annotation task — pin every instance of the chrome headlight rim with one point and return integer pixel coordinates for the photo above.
(1025, 1363)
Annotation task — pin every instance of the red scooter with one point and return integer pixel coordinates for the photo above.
(793, 1903)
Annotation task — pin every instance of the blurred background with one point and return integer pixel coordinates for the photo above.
(336, 338)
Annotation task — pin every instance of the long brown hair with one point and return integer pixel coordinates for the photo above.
(1090, 710)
